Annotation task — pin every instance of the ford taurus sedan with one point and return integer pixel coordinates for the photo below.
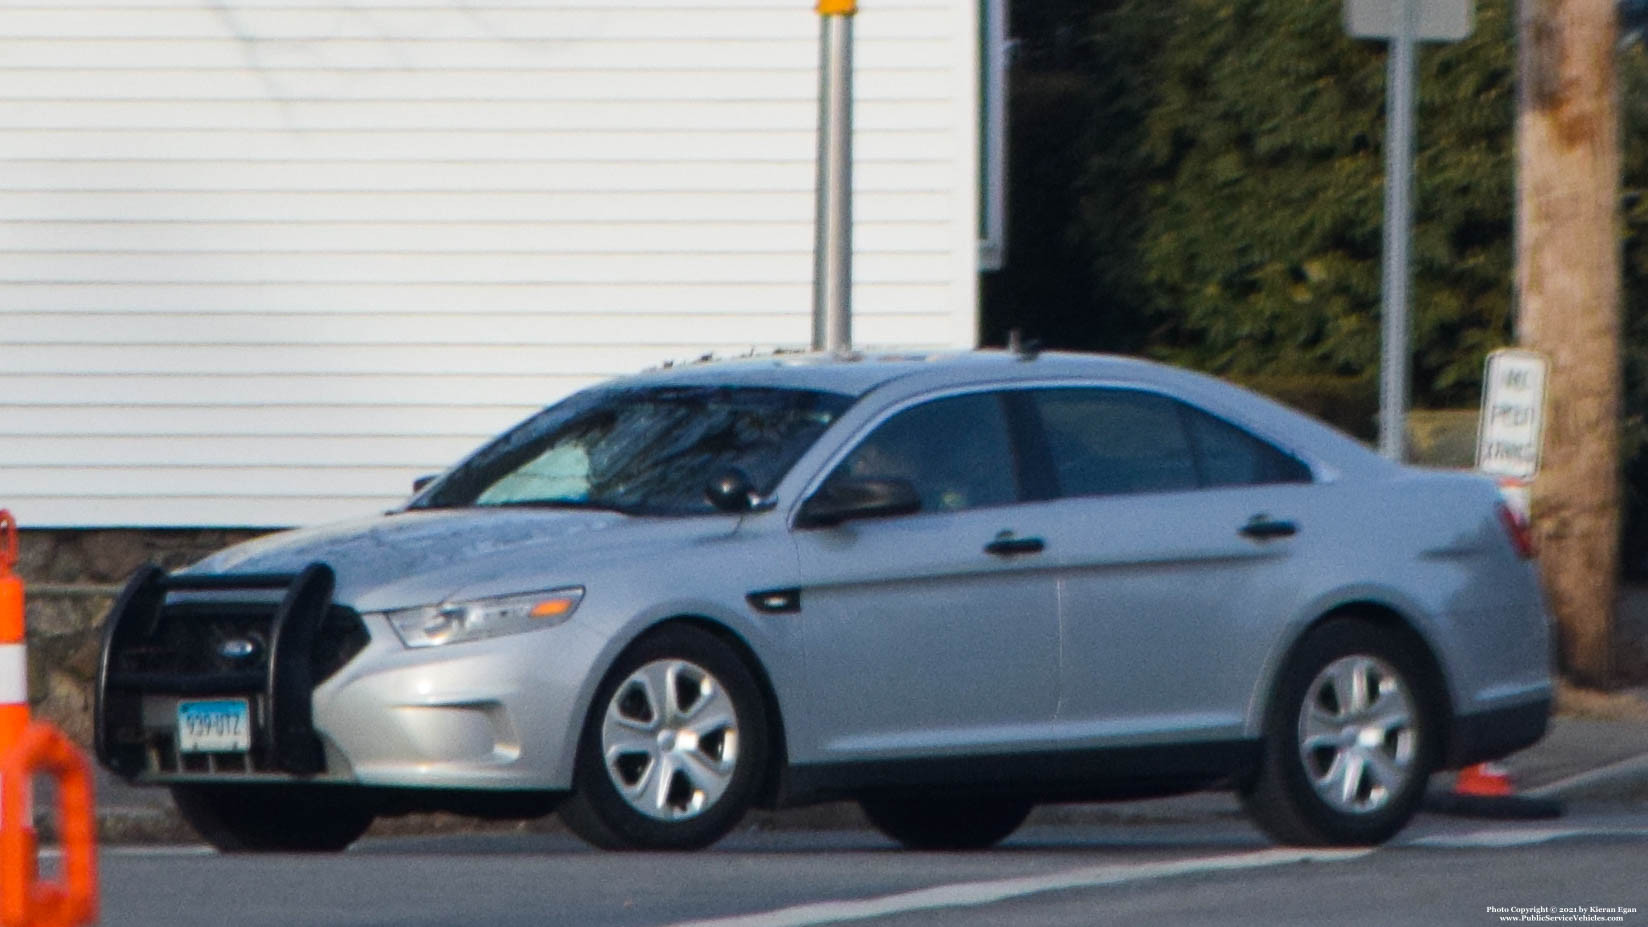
(947, 587)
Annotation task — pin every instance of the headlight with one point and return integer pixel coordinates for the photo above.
(452, 622)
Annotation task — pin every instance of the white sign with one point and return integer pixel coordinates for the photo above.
(1512, 427)
(1433, 21)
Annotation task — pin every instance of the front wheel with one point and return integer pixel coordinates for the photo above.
(673, 749)
(1348, 743)
(946, 823)
(274, 818)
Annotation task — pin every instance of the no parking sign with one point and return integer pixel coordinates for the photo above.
(1512, 424)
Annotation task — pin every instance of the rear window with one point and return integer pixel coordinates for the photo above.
(1110, 441)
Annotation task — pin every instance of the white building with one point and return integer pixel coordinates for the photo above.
(263, 262)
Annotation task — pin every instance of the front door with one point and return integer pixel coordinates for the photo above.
(935, 632)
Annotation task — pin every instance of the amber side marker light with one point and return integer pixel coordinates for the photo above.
(553, 608)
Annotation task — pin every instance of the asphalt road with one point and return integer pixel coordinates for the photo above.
(1208, 868)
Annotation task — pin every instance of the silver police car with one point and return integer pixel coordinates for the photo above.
(948, 587)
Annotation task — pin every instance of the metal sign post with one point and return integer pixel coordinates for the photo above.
(833, 241)
(1403, 23)
(1397, 272)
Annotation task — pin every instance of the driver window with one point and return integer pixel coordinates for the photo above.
(954, 451)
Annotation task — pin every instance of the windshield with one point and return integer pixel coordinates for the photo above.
(648, 451)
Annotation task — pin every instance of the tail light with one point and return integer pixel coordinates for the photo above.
(1518, 530)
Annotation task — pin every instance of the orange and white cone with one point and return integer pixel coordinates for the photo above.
(27, 750)
(14, 664)
(14, 672)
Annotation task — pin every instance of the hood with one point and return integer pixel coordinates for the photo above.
(423, 557)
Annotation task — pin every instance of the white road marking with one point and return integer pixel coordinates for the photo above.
(1491, 839)
(1630, 769)
(1519, 837)
(970, 894)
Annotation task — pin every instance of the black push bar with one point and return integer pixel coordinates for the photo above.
(289, 743)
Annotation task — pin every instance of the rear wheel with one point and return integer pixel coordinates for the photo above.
(673, 748)
(274, 818)
(946, 823)
(1348, 742)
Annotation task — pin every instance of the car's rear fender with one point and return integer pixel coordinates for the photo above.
(1445, 571)
(1384, 608)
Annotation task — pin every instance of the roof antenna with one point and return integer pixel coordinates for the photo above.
(1021, 349)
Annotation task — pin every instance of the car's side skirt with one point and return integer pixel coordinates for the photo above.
(1110, 773)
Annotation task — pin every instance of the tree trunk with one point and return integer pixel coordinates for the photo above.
(1568, 286)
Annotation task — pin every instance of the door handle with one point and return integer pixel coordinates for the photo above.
(1006, 545)
(1263, 528)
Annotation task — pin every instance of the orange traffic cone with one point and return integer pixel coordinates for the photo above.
(14, 696)
(27, 750)
(1485, 790)
(1486, 779)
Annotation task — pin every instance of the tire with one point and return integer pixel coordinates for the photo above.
(1350, 739)
(274, 818)
(674, 748)
(946, 823)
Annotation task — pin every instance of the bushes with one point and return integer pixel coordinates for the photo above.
(1202, 181)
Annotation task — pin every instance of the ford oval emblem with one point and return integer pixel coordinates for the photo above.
(238, 648)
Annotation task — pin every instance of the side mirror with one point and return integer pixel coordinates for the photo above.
(845, 500)
(731, 491)
(422, 481)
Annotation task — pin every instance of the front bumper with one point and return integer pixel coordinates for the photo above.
(502, 713)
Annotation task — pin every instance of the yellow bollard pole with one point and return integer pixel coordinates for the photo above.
(833, 234)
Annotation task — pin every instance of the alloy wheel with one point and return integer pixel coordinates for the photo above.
(1357, 734)
(670, 739)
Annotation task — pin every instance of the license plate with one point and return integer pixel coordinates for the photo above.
(216, 726)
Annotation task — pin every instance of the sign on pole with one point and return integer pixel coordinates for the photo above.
(1434, 20)
(1511, 429)
(1403, 24)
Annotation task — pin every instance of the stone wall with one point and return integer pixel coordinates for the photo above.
(71, 578)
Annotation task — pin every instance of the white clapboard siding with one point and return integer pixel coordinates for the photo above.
(455, 267)
(263, 262)
(75, 297)
(775, 84)
(560, 23)
(509, 144)
(514, 54)
(638, 118)
(593, 209)
(137, 391)
(434, 237)
(402, 177)
(385, 329)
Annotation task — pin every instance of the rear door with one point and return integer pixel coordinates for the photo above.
(1177, 535)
